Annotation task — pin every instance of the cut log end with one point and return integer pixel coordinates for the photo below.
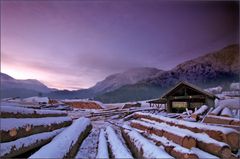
(189, 142)
(13, 132)
(225, 153)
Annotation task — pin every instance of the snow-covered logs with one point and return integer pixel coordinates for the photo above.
(102, 146)
(221, 120)
(227, 135)
(200, 111)
(172, 148)
(203, 141)
(117, 148)
(162, 130)
(66, 144)
(14, 128)
(141, 147)
(226, 112)
(20, 112)
(22, 145)
(216, 111)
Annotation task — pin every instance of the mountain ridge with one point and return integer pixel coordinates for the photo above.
(211, 69)
(11, 87)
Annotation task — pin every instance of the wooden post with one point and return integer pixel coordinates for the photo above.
(188, 104)
(169, 106)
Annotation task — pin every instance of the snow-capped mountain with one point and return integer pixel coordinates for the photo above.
(213, 67)
(218, 68)
(118, 80)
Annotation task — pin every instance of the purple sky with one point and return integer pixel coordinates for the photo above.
(74, 44)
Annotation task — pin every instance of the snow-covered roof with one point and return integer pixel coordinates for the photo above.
(36, 99)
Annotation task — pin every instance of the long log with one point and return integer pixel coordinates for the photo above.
(226, 112)
(200, 111)
(19, 112)
(102, 146)
(162, 130)
(217, 110)
(22, 145)
(116, 147)
(203, 154)
(172, 148)
(222, 134)
(204, 142)
(67, 143)
(14, 128)
(141, 147)
(221, 120)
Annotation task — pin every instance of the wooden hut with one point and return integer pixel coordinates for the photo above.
(185, 95)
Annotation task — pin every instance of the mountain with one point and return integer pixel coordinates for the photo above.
(11, 87)
(217, 68)
(109, 84)
(118, 80)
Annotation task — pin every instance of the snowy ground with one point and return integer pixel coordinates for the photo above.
(113, 116)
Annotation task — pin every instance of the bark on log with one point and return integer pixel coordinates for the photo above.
(220, 150)
(235, 122)
(22, 145)
(216, 120)
(223, 152)
(173, 149)
(141, 147)
(29, 129)
(18, 112)
(185, 141)
(67, 143)
(116, 147)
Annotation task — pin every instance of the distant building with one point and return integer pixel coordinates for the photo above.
(131, 105)
(185, 95)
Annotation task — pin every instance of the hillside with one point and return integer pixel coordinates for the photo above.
(118, 80)
(11, 87)
(218, 68)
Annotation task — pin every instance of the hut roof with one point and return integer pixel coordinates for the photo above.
(191, 86)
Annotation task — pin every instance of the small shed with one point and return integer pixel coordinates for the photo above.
(130, 105)
(185, 95)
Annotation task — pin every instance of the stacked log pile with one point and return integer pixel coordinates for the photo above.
(148, 138)
(67, 143)
(224, 115)
(24, 129)
(83, 104)
(215, 140)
